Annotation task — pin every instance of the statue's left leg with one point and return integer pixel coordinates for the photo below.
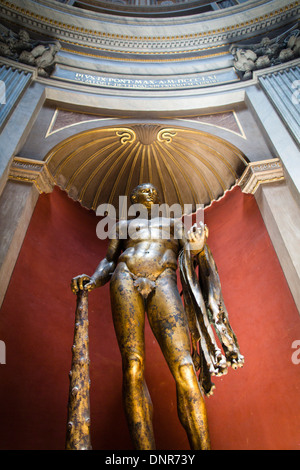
(168, 322)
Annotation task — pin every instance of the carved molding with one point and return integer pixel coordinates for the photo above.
(114, 42)
(263, 172)
(32, 171)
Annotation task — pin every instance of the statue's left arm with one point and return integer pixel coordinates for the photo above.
(212, 293)
(205, 307)
(209, 358)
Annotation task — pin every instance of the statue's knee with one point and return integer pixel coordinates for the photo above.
(133, 367)
(187, 375)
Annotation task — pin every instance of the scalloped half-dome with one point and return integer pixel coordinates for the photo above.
(186, 165)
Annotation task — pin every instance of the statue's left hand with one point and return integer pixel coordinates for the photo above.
(197, 236)
(82, 282)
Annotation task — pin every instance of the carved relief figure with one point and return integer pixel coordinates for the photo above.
(266, 53)
(21, 48)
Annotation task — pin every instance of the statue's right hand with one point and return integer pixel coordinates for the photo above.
(82, 282)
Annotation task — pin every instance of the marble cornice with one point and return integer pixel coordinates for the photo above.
(103, 32)
(33, 172)
(262, 172)
(255, 9)
(19, 66)
(143, 12)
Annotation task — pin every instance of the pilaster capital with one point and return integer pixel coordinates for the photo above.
(262, 172)
(32, 171)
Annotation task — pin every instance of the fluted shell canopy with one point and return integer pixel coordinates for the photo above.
(187, 166)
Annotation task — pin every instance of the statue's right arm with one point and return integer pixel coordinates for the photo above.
(103, 272)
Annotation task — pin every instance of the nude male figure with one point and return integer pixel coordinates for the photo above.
(144, 279)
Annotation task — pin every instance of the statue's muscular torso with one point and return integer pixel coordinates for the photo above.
(150, 247)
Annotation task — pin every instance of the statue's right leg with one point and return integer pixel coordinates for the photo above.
(129, 318)
(168, 321)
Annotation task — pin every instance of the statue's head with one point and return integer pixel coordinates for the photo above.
(145, 194)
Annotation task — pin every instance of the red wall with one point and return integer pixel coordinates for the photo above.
(256, 407)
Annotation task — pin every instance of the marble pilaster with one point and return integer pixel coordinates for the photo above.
(17, 203)
(283, 90)
(277, 135)
(27, 179)
(281, 215)
(13, 81)
(16, 130)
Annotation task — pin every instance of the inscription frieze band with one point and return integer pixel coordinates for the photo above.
(146, 84)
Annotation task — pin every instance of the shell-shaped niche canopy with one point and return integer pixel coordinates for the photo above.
(187, 166)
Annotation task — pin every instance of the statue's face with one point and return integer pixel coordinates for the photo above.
(145, 194)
